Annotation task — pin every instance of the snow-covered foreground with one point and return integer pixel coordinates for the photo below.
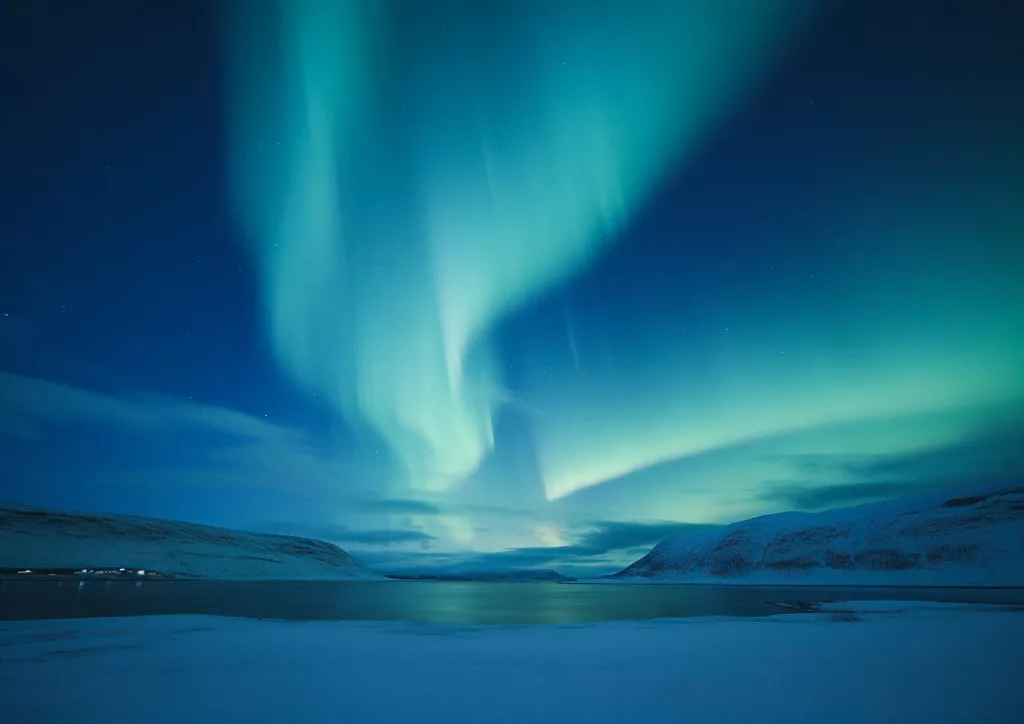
(898, 663)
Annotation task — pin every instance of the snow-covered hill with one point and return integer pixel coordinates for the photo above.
(33, 538)
(975, 538)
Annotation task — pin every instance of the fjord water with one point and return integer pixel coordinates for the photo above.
(440, 602)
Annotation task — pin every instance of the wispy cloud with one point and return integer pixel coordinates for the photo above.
(995, 451)
(186, 443)
(344, 535)
(990, 455)
(384, 537)
(52, 403)
(396, 506)
(600, 544)
(814, 496)
(606, 536)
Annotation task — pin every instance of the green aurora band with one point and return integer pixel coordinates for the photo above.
(408, 174)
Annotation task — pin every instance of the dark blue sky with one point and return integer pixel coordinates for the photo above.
(856, 208)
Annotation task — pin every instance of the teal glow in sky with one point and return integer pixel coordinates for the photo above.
(411, 177)
(508, 283)
(903, 324)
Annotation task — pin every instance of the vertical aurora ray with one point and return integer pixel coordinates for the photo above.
(409, 174)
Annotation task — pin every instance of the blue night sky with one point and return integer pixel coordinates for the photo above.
(508, 284)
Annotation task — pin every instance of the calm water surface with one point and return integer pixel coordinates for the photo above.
(438, 602)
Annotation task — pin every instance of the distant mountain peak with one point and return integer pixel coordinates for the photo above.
(971, 538)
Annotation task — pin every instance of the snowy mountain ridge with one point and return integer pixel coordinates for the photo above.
(35, 538)
(974, 538)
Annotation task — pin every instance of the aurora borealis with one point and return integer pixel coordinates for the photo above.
(514, 283)
(391, 241)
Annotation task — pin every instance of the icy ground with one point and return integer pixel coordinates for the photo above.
(887, 662)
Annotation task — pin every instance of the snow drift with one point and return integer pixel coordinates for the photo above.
(975, 538)
(935, 664)
(33, 538)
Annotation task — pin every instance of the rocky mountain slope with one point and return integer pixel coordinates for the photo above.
(974, 538)
(34, 538)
